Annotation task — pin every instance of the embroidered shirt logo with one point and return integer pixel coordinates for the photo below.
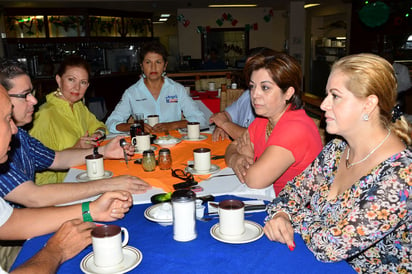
(172, 99)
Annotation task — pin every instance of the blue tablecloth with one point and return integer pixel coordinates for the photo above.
(162, 254)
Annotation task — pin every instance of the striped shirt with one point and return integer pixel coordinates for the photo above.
(27, 155)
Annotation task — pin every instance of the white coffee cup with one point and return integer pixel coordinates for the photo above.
(108, 245)
(201, 159)
(187, 90)
(212, 86)
(234, 86)
(231, 217)
(193, 130)
(152, 120)
(141, 141)
(95, 166)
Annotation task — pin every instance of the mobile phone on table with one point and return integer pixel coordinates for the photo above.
(184, 185)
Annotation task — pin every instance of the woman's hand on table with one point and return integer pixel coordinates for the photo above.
(129, 183)
(111, 206)
(86, 141)
(280, 229)
(240, 164)
(113, 150)
(244, 146)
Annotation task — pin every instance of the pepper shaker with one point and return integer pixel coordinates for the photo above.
(165, 159)
(149, 160)
(184, 215)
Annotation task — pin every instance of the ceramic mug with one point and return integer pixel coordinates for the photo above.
(142, 141)
(231, 217)
(212, 86)
(193, 130)
(95, 166)
(108, 245)
(152, 120)
(201, 159)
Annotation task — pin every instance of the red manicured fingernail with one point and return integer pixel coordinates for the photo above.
(291, 248)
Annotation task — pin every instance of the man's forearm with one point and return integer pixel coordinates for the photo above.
(233, 130)
(31, 195)
(45, 261)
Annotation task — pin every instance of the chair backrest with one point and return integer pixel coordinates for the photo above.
(228, 96)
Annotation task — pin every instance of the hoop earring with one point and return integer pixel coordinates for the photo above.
(365, 117)
(143, 76)
(163, 73)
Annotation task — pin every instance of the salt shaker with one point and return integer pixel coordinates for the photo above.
(149, 160)
(184, 215)
(165, 159)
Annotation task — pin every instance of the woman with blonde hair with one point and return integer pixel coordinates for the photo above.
(352, 203)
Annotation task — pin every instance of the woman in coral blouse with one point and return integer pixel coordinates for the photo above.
(282, 141)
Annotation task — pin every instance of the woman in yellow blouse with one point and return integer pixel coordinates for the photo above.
(63, 121)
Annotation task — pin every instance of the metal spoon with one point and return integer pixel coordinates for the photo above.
(123, 143)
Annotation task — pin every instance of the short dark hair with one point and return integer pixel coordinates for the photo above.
(73, 61)
(153, 46)
(10, 69)
(284, 70)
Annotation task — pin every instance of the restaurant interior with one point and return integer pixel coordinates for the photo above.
(109, 35)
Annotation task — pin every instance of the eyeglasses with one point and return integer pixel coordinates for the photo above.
(181, 174)
(24, 95)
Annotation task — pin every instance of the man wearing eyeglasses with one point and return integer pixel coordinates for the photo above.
(28, 155)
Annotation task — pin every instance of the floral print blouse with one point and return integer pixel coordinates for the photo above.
(369, 225)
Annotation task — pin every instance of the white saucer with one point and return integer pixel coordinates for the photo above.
(213, 169)
(154, 148)
(131, 258)
(253, 232)
(201, 137)
(82, 177)
(149, 213)
(167, 143)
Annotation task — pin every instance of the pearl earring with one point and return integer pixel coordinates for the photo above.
(365, 117)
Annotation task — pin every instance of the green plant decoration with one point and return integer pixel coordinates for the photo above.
(374, 14)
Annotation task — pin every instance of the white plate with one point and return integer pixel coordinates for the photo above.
(149, 213)
(154, 148)
(131, 258)
(170, 142)
(201, 137)
(253, 232)
(82, 177)
(213, 169)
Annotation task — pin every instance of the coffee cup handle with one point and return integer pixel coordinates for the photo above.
(134, 141)
(125, 236)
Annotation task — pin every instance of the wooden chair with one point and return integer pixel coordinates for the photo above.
(228, 96)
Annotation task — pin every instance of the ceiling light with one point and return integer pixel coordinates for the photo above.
(311, 5)
(165, 15)
(233, 6)
(162, 19)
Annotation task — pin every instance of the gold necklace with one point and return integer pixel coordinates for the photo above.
(269, 129)
(348, 165)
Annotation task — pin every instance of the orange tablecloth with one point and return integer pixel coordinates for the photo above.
(181, 153)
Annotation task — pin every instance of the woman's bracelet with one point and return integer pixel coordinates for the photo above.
(281, 211)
